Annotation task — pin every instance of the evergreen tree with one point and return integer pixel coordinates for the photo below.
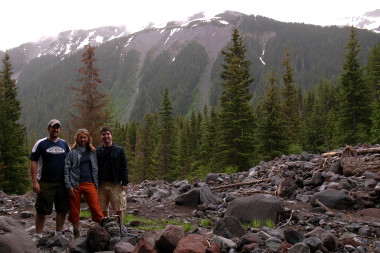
(236, 113)
(290, 105)
(166, 155)
(373, 71)
(90, 104)
(184, 148)
(145, 165)
(270, 138)
(209, 147)
(353, 119)
(195, 136)
(319, 117)
(14, 172)
(373, 76)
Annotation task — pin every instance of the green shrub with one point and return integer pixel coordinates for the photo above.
(270, 224)
(231, 170)
(206, 223)
(255, 223)
(294, 149)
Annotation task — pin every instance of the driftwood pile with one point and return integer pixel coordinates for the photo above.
(356, 161)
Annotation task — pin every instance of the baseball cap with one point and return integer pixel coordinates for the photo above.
(54, 122)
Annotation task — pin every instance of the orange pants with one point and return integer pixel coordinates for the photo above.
(92, 198)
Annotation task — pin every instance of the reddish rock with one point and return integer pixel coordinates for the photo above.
(143, 246)
(168, 239)
(192, 243)
(249, 247)
(213, 248)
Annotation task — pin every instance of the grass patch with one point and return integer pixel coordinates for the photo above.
(270, 224)
(85, 214)
(255, 223)
(206, 223)
(155, 224)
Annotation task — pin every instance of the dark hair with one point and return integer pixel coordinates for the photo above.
(105, 128)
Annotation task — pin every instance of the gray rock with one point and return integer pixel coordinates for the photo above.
(299, 248)
(332, 199)
(26, 214)
(229, 227)
(257, 206)
(224, 243)
(13, 238)
(314, 243)
(293, 236)
(273, 243)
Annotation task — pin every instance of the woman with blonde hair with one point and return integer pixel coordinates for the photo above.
(81, 177)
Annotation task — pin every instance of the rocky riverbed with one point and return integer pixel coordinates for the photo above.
(317, 202)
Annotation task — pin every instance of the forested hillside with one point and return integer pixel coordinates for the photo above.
(175, 130)
(135, 69)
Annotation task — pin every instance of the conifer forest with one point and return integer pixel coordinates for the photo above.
(232, 134)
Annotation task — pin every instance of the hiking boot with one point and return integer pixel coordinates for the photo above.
(123, 230)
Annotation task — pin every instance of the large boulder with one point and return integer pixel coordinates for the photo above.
(257, 206)
(192, 243)
(195, 197)
(13, 237)
(229, 227)
(98, 239)
(168, 238)
(332, 199)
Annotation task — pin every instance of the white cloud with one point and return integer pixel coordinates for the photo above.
(22, 21)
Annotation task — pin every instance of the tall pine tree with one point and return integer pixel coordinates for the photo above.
(270, 137)
(209, 147)
(166, 155)
(236, 113)
(353, 119)
(373, 77)
(14, 172)
(145, 165)
(290, 104)
(90, 105)
(319, 117)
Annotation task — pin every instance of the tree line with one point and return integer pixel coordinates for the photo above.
(230, 137)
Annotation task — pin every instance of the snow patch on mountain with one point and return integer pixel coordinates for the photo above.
(369, 20)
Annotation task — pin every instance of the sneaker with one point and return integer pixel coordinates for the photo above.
(36, 238)
(58, 233)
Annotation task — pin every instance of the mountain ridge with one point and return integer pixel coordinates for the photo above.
(47, 70)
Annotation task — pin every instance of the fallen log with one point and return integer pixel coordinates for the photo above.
(358, 151)
(239, 184)
(354, 165)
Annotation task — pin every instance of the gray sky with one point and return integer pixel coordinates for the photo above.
(23, 21)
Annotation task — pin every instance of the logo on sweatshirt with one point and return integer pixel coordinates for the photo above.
(55, 150)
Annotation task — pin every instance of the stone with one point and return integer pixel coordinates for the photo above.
(98, 239)
(193, 243)
(13, 238)
(229, 227)
(256, 206)
(168, 238)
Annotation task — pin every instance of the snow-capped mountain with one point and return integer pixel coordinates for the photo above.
(186, 57)
(369, 20)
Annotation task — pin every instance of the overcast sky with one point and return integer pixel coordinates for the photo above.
(23, 21)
